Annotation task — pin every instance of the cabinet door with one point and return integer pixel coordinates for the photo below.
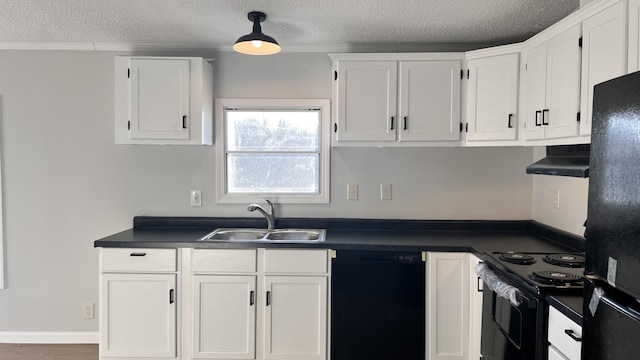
(536, 88)
(634, 36)
(138, 315)
(604, 55)
(295, 317)
(367, 92)
(159, 99)
(554, 354)
(447, 306)
(475, 309)
(224, 317)
(563, 85)
(492, 103)
(429, 101)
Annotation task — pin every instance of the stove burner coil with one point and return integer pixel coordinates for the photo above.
(517, 258)
(556, 278)
(565, 260)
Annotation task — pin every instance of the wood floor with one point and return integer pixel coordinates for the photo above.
(48, 352)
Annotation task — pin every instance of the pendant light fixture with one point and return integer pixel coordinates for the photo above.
(256, 43)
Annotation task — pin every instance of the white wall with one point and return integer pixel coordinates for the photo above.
(67, 184)
(572, 213)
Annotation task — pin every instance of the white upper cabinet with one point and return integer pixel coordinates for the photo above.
(634, 36)
(367, 95)
(162, 100)
(492, 99)
(396, 99)
(429, 101)
(604, 55)
(553, 86)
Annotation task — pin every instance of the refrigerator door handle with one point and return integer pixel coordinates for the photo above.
(620, 308)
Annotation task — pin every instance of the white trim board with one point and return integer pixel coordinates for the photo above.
(49, 337)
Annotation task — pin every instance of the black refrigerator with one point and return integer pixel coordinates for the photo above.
(611, 316)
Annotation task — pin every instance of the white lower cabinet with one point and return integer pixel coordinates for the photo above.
(564, 336)
(224, 317)
(295, 317)
(453, 309)
(259, 304)
(138, 304)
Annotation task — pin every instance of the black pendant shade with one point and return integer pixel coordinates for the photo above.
(256, 43)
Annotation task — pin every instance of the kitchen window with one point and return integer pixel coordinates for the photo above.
(272, 148)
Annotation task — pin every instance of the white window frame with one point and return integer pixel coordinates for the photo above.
(322, 197)
(2, 280)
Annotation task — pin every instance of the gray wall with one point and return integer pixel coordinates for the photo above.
(66, 184)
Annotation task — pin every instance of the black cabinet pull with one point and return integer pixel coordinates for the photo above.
(171, 298)
(538, 123)
(335, 127)
(184, 121)
(509, 121)
(252, 297)
(405, 123)
(393, 118)
(544, 118)
(572, 335)
(138, 254)
(268, 298)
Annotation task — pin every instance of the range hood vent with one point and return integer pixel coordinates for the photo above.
(563, 160)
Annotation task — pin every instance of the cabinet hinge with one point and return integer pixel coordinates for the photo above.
(580, 42)
(128, 73)
(335, 75)
(129, 125)
(578, 117)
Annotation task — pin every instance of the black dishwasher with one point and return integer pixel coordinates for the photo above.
(378, 305)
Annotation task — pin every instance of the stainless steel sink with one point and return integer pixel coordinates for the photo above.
(268, 236)
(236, 235)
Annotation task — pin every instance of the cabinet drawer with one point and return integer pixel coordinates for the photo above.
(559, 327)
(296, 261)
(224, 260)
(139, 259)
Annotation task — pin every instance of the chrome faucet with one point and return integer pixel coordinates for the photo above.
(270, 216)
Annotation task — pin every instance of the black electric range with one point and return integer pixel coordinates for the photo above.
(517, 330)
(540, 273)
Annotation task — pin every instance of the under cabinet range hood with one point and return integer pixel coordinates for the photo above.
(563, 160)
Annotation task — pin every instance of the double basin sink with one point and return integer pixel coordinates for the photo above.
(264, 235)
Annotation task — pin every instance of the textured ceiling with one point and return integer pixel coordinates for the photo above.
(296, 24)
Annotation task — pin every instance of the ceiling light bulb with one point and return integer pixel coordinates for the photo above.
(256, 43)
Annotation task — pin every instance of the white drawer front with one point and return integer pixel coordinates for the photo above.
(156, 260)
(296, 261)
(558, 325)
(224, 260)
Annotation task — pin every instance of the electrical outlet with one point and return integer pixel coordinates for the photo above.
(196, 198)
(385, 191)
(87, 310)
(352, 191)
(556, 199)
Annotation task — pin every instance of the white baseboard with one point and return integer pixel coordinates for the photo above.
(46, 337)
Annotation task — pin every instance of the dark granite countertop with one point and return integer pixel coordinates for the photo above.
(570, 305)
(355, 234)
(365, 234)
